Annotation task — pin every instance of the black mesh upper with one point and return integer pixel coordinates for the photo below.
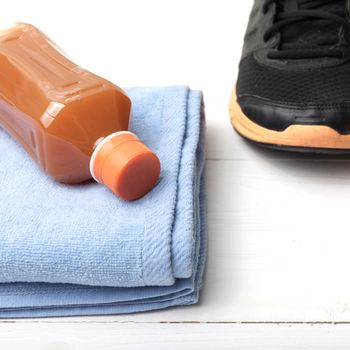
(327, 87)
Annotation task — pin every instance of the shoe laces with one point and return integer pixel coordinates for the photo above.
(316, 16)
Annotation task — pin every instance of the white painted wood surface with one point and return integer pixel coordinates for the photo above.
(111, 336)
(277, 272)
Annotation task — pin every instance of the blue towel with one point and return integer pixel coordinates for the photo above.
(79, 250)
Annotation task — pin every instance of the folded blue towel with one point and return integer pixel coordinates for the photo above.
(79, 250)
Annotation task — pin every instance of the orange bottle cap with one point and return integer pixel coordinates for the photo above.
(125, 165)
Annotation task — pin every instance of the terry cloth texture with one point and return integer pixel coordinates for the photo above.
(79, 250)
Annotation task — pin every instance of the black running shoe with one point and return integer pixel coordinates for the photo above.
(293, 89)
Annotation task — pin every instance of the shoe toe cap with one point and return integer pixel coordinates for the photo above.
(276, 116)
(277, 98)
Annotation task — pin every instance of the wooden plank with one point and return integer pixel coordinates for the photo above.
(172, 336)
(138, 43)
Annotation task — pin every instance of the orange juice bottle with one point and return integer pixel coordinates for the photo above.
(72, 123)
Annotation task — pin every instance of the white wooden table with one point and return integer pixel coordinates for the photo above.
(277, 272)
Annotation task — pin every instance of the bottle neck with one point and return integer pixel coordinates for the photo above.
(99, 145)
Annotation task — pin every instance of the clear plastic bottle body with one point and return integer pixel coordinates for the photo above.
(54, 108)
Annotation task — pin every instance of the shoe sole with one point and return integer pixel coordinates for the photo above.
(298, 138)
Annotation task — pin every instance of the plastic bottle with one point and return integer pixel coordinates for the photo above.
(72, 123)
